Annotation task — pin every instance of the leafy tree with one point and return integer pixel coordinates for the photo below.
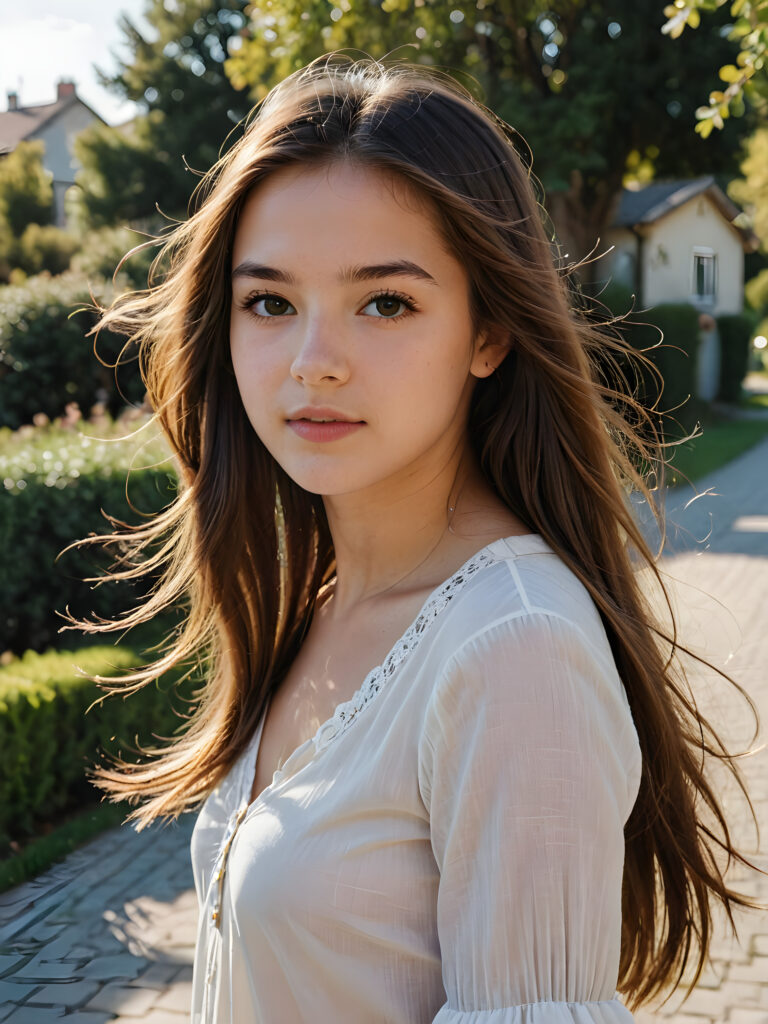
(747, 74)
(110, 156)
(176, 75)
(751, 190)
(26, 191)
(594, 86)
(756, 291)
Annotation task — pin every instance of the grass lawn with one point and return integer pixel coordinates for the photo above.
(721, 440)
(38, 854)
(757, 400)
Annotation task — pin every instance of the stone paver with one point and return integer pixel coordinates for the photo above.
(721, 596)
(108, 934)
(103, 935)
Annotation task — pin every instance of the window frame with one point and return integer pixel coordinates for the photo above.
(701, 255)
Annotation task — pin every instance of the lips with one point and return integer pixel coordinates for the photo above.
(332, 430)
(322, 412)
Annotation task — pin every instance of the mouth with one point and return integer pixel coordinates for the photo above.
(320, 414)
(308, 419)
(322, 430)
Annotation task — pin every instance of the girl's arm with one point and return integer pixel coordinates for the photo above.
(529, 765)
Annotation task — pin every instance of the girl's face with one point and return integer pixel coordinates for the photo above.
(346, 306)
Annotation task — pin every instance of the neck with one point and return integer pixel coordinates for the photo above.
(393, 537)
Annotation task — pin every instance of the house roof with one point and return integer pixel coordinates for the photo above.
(18, 125)
(651, 203)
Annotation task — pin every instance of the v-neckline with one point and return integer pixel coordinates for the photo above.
(329, 728)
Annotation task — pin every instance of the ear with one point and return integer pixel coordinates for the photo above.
(491, 346)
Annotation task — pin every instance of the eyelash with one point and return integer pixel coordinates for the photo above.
(410, 306)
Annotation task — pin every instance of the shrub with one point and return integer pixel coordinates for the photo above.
(48, 735)
(43, 248)
(54, 485)
(102, 250)
(45, 359)
(735, 332)
(618, 297)
(26, 189)
(674, 356)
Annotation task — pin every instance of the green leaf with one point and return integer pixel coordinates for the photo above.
(704, 128)
(730, 73)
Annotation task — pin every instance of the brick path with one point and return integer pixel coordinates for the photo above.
(721, 595)
(108, 935)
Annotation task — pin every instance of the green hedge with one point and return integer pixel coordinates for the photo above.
(48, 737)
(43, 247)
(54, 484)
(47, 362)
(103, 250)
(735, 332)
(674, 355)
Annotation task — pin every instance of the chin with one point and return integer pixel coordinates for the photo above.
(319, 476)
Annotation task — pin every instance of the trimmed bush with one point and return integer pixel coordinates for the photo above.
(55, 483)
(102, 250)
(674, 355)
(44, 247)
(618, 297)
(735, 332)
(47, 362)
(48, 735)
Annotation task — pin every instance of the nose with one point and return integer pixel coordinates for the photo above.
(320, 357)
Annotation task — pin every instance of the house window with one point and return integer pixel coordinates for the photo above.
(705, 276)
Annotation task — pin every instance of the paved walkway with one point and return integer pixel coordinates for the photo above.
(108, 935)
(721, 596)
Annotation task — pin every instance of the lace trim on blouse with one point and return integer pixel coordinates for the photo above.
(345, 712)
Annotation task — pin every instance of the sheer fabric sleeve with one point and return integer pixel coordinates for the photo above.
(528, 766)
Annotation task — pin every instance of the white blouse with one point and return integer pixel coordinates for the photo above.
(448, 847)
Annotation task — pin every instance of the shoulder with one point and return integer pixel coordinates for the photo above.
(522, 656)
(517, 590)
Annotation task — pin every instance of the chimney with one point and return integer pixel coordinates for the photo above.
(64, 88)
(13, 101)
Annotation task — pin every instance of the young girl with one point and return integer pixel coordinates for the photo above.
(446, 766)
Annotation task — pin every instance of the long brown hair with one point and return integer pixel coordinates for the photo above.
(247, 550)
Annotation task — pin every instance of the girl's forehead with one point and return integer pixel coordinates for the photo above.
(341, 183)
(334, 205)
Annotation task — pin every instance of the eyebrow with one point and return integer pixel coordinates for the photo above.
(349, 275)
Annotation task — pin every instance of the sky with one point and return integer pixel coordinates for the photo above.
(43, 41)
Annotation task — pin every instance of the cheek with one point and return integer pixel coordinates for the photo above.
(430, 373)
(255, 364)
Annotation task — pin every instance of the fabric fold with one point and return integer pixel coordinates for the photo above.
(604, 1011)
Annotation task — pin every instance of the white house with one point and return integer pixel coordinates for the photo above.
(682, 241)
(56, 124)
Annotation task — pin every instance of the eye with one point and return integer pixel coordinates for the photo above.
(274, 306)
(386, 304)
